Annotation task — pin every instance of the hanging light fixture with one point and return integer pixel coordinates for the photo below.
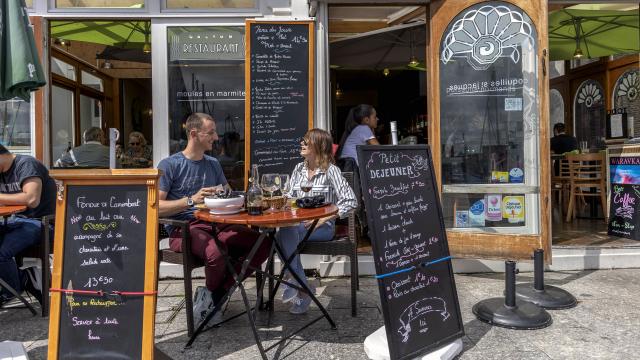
(413, 61)
(338, 92)
(577, 54)
(386, 72)
(146, 48)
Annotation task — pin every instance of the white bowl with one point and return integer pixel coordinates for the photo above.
(224, 204)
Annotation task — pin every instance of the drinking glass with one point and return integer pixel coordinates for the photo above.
(285, 187)
(584, 147)
(270, 183)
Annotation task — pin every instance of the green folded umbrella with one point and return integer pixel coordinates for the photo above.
(592, 33)
(20, 68)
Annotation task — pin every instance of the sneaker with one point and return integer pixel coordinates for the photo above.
(288, 293)
(300, 304)
(202, 305)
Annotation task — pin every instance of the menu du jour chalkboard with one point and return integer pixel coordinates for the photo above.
(105, 272)
(420, 303)
(279, 93)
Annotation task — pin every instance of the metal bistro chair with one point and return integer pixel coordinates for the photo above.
(41, 251)
(188, 261)
(345, 244)
(587, 172)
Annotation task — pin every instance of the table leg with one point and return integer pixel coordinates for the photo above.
(238, 277)
(304, 287)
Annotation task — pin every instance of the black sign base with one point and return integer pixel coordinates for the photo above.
(523, 316)
(551, 297)
(509, 313)
(546, 296)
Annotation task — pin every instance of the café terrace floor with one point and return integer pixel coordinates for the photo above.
(604, 325)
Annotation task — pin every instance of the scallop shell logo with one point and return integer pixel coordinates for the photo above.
(629, 86)
(484, 35)
(589, 95)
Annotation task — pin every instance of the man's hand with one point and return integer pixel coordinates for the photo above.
(307, 224)
(198, 197)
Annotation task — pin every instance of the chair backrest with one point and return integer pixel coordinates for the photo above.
(587, 167)
(351, 218)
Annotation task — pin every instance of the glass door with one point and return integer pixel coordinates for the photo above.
(489, 135)
(62, 115)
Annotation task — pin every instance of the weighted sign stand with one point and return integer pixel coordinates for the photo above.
(509, 312)
(548, 297)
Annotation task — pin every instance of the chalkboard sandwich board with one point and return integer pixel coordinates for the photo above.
(623, 212)
(105, 264)
(279, 93)
(411, 255)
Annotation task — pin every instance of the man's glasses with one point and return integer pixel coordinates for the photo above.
(134, 143)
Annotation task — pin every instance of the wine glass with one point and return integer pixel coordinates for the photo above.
(285, 187)
(270, 183)
(306, 185)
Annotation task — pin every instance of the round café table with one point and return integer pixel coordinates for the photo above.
(6, 211)
(267, 223)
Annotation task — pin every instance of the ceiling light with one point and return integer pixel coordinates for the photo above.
(386, 72)
(578, 53)
(413, 62)
(61, 42)
(146, 48)
(338, 92)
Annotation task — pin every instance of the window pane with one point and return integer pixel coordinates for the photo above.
(589, 114)
(211, 4)
(626, 95)
(92, 81)
(576, 63)
(100, 4)
(210, 80)
(557, 68)
(62, 68)
(489, 118)
(90, 113)
(61, 121)
(15, 125)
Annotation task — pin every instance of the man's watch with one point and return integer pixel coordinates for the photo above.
(190, 201)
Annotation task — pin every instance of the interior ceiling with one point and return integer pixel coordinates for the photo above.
(347, 21)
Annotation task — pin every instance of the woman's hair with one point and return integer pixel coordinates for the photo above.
(320, 141)
(354, 118)
(139, 136)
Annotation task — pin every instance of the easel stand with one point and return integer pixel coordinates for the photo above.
(377, 348)
(548, 297)
(509, 313)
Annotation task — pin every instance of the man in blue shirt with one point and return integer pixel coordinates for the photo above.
(23, 181)
(187, 178)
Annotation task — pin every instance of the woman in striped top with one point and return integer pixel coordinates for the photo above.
(327, 180)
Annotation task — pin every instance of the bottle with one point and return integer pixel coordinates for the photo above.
(254, 193)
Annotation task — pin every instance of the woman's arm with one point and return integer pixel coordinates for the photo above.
(346, 197)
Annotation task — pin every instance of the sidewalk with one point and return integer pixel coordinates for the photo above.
(604, 325)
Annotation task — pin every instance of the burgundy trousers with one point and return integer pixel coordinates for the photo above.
(237, 240)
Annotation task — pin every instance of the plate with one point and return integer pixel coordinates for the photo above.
(225, 212)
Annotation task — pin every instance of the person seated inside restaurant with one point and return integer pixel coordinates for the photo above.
(327, 180)
(138, 154)
(561, 142)
(92, 153)
(187, 178)
(361, 122)
(23, 181)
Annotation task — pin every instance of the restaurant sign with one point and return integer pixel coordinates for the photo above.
(219, 44)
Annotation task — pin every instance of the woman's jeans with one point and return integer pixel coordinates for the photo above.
(17, 235)
(288, 239)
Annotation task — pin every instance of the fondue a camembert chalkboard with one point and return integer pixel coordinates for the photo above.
(279, 93)
(420, 306)
(104, 289)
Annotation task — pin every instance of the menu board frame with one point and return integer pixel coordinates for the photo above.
(310, 86)
(376, 227)
(97, 178)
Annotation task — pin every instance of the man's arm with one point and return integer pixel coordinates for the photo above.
(30, 195)
(172, 207)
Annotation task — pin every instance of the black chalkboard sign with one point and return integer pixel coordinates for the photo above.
(420, 303)
(623, 211)
(279, 93)
(104, 250)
